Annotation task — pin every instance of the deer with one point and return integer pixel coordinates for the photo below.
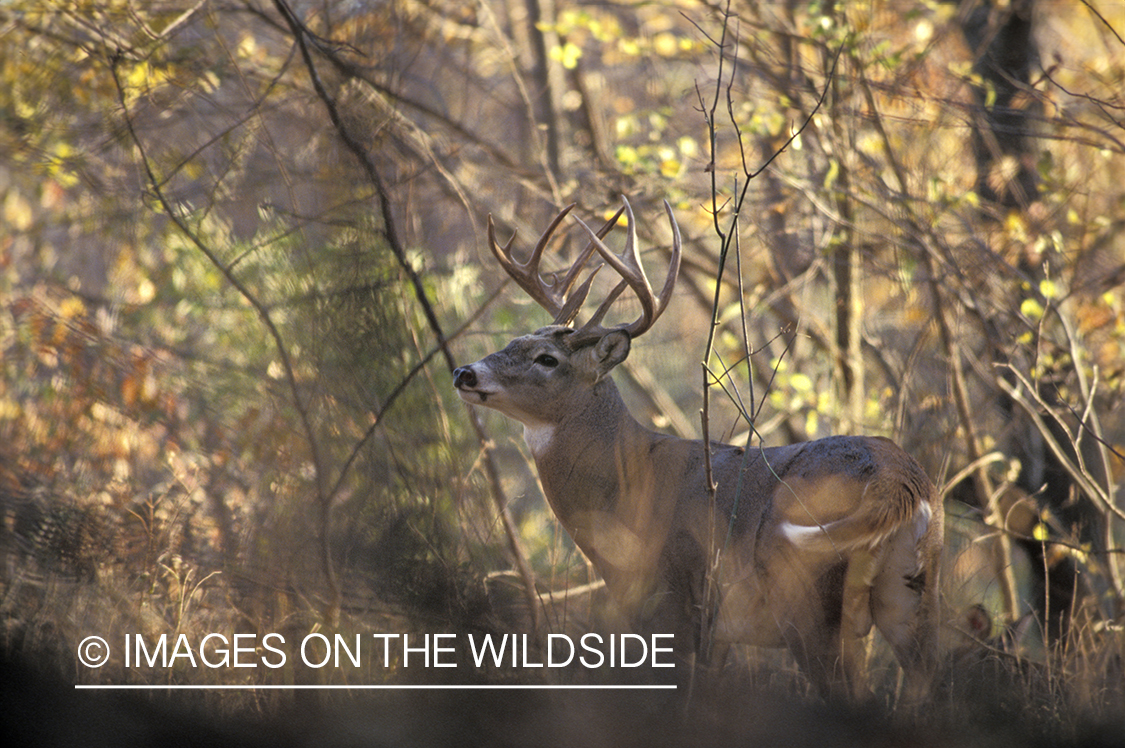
(804, 546)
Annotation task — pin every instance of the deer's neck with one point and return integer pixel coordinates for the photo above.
(607, 490)
(591, 455)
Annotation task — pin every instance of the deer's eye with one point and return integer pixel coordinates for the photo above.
(547, 360)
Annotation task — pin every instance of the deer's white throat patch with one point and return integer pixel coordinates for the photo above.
(538, 438)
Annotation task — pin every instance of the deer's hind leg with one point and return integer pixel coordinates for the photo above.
(904, 603)
(822, 637)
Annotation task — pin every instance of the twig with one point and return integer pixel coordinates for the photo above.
(299, 404)
(395, 244)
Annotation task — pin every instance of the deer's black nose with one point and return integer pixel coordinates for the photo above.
(463, 377)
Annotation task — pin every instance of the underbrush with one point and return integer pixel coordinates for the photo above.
(986, 697)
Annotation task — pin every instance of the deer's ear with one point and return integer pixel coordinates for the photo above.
(609, 351)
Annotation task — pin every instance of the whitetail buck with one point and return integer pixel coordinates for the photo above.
(811, 543)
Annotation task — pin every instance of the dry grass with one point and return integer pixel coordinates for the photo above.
(988, 696)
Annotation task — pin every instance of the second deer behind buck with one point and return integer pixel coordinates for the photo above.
(818, 541)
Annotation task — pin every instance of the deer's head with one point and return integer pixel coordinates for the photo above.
(538, 378)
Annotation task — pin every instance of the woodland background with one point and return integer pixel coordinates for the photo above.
(242, 248)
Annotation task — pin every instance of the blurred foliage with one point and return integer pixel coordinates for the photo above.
(179, 182)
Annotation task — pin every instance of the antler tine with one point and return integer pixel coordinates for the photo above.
(673, 265)
(583, 258)
(628, 265)
(526, 274)
(574, 301)
(594, 323)
(555, 297)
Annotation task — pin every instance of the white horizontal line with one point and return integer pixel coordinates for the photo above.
(480, 687)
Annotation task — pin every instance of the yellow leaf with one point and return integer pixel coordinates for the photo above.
(568, 55)
(71, 307)
(17, 211)
(665, 44)
(801, 382)
(247, 46)
(1031, 308)
(138, 76)
(1016, 226)
(626, 155)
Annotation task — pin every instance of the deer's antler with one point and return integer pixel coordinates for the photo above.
(628, 265)
(558, 298)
